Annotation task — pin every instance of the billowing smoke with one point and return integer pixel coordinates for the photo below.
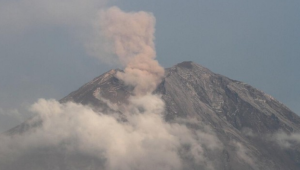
(144, 141)
(130, 38)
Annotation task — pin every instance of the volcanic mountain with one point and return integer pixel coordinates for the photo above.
(255, 130)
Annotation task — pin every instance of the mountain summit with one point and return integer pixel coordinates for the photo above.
(253, 130)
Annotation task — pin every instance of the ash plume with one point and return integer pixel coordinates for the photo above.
(130, 36)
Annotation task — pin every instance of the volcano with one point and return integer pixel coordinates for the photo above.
(255, 130)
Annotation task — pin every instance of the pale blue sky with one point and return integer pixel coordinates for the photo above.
(257, 42)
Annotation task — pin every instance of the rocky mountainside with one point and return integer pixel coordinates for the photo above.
(233, 109)
(255, 130)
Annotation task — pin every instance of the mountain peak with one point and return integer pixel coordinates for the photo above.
(185, 64)
(189, 66)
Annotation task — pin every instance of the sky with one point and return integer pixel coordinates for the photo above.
(44, 54)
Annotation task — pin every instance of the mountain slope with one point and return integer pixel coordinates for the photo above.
(233, 109)
(245, 120)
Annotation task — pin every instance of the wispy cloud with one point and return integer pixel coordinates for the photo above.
(286, 140)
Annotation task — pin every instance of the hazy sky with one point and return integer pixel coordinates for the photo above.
(43, 54)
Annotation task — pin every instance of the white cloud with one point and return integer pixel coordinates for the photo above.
(151, 142)
(286, 140)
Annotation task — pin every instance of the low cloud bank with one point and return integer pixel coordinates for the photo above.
(142, 141)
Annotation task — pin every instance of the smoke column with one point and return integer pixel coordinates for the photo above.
(130, 36)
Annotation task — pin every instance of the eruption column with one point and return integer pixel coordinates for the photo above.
(130, 36)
